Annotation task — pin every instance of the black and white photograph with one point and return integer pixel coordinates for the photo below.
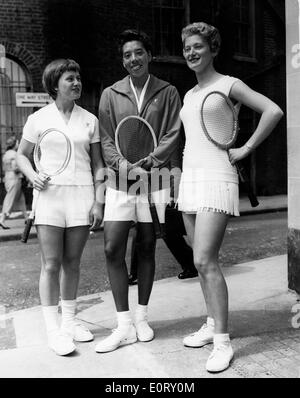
(149, 191)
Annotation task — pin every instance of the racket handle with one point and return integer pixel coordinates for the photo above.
(252, 197)
(159, 229)
(26, 231)
(246, 182)
(29, 222)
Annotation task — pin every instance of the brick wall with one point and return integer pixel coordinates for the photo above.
(37, 31)
(272, 154)
(21, 31)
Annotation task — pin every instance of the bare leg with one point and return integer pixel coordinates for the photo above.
(51, 244)
(145, 247)
(74, 242)
(115, 238)
(209, 232)
(134, 259)
(189, 222)
(2, 220)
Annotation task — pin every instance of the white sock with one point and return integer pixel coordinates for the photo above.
(141, 311)
(68, 311)
(50, 314)
(124, 319)
(221, 339)
(210, 322)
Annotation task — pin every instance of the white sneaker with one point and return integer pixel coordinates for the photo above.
(205, 335)
(220, 358)
(78, 332)
(61, 343)
(143, 330)
(118, 338)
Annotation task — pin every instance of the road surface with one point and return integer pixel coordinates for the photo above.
(247, 238)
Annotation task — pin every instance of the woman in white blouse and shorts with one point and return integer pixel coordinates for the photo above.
(208, 193)
(66, 207)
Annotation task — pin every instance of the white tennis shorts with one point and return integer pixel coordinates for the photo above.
(119, 206)
(64, 206)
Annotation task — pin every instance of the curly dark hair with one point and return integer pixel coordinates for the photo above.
(134, 35)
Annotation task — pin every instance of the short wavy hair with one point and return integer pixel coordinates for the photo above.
(208, 32)
(53, 72)
(134, 35)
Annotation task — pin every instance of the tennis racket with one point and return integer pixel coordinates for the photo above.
(220, 124)
(51, 156)
(135, 140)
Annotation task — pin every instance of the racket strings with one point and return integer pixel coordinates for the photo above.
(52, 153)
(135, 140)
(218, 120)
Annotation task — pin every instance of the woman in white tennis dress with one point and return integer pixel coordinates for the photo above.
(208, 193)
(67, 206)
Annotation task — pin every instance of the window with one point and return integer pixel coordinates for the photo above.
(13, 79)
(169, 16)
(244, 21)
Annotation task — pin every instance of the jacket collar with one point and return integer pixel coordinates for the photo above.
(154, 86)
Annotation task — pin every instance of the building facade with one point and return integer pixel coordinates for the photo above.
(293, 126)
(33, 32)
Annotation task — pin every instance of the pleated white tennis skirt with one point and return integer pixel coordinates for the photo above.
(198, 196)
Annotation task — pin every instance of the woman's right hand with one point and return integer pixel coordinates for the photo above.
(40, 181)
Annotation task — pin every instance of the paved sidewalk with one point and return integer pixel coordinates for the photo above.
(261, 325)
(267, 204)
(265, 331)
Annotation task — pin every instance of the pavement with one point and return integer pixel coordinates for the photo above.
(264, 325)
(266, 204)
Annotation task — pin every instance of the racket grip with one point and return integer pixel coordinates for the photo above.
(26, 231)
(251, 196)
(159, 229)
(245, 180)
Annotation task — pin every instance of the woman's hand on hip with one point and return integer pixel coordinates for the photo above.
(236, 154)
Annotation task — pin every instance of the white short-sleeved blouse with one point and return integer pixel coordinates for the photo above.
(82, 129)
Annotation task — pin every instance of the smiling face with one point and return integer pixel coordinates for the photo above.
(197, 53)
(69, 86)
(136, 59)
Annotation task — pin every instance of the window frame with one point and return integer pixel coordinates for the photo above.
(15, 79)
(252, 56)
(171, 58)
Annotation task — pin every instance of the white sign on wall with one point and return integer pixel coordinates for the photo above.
(2, 57)
(293, 114)
(33, 99)
(296, 47)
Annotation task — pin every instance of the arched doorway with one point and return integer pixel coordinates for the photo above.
(13, 78)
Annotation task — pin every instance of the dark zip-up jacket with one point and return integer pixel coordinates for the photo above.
(161, 107)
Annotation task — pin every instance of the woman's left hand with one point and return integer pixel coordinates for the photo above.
(236, 154)
(96, 215)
